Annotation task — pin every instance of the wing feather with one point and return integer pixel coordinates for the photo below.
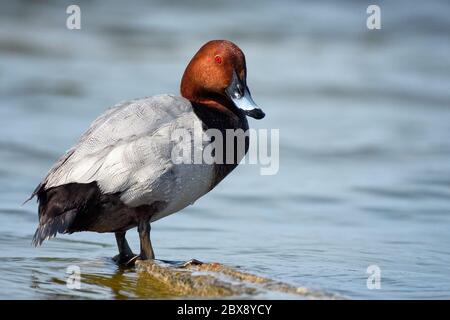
(127, 150)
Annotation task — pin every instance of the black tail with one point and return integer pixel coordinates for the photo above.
(59, 207)
(49, 229)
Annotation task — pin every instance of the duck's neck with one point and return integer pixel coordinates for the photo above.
(216, 116)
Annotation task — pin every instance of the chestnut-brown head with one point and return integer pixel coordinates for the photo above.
(217, 75)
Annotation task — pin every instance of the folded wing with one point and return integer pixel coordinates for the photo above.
(126, 150)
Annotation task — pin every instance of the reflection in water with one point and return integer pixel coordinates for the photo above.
(126, 284)
(100, 277)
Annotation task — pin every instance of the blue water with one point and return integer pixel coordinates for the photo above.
(364, 119)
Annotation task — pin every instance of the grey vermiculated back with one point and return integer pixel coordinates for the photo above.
(115, 150)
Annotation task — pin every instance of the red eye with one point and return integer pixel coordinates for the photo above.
(218, 59)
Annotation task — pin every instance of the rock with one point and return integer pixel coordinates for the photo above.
(215, 280)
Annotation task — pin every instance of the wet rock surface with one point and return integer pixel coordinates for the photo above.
(214, 280)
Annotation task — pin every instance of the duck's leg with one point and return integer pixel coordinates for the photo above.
(125, 253)
(146, 244)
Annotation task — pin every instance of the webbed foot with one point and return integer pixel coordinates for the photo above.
(192, 262)
(125, 260)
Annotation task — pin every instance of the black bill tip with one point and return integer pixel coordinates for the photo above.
(255, 113)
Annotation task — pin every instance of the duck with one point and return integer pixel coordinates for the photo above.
(121, 174)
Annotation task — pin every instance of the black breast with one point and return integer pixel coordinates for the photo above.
(213, 118)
